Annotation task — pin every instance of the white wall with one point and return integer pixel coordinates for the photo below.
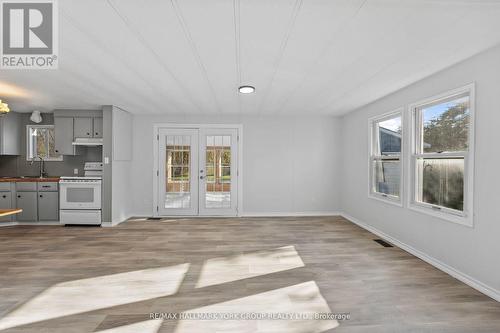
(290, 164)
(121, 165)
(471, 251)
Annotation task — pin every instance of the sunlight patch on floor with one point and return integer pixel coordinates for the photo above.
(227, 269)
(148, 326)
(72, 297)
(301, 299)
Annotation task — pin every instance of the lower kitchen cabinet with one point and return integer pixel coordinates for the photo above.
(5, 203)
(27, 201)
(48, 206)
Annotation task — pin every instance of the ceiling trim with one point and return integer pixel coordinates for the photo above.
(321, 55)
(237, 43)
(194, 50)
(281, 53)
(158, 59)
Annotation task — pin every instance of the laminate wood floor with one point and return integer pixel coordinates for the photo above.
(87, 279)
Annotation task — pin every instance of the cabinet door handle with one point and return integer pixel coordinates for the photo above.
(4, 196)
(41, 196)
(18, 196)
(96, 133)
(88, 133)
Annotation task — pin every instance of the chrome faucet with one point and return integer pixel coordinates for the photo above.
(42, 165)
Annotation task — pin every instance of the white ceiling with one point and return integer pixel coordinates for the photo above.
(303, 56)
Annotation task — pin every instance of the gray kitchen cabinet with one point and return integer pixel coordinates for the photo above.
(48, 206)
(10, 134)
(72, 124)
(47, 186)
(97, 127)
(6, 203)
(5, 186)
(27, 201)
(63, 133)
(26, 187)
(83, 127)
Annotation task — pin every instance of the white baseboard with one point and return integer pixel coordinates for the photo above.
(288, 214)
(258, 214)
(468, 280)
(112, 224)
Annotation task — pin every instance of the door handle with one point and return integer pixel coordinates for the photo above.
(201, 177)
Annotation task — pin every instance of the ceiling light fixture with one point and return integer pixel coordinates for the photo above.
(36, 117)
(246, 89)
(4, 108)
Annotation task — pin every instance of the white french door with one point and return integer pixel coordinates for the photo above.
(197, 171)
(177, 176)
(218, 176)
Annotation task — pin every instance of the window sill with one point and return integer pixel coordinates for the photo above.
(386, 199)
(465, 220)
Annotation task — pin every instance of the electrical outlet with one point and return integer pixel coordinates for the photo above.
(75, 171)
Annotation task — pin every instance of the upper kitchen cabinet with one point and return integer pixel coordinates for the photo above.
(83, 127)
(74, 125)
(63, 135)
(88, 127)
(97, 127)
(10, 134)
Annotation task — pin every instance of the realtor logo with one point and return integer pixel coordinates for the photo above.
(29, 34)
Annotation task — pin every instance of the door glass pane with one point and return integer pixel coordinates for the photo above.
(387, 176)
(218, 171)
(178, 178)
(441, 182)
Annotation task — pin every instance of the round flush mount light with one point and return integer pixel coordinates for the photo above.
(246, 89)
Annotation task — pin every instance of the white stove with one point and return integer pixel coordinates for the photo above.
(69, 179)
(80, 197)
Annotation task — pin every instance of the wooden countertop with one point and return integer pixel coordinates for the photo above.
(7, 212)
(28, 179)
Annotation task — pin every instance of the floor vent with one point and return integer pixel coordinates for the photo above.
(153, 218)
(383, 243)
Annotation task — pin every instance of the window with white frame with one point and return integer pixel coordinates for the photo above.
(385, 157)
(442, 155)
(40, 143)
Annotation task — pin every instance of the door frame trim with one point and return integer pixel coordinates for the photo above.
(155, 171)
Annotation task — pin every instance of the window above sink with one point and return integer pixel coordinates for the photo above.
(40, 143)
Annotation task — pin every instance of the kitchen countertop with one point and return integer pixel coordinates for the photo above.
(28, 179)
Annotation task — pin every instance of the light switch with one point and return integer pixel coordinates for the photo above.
(106, 160)
(75, 171)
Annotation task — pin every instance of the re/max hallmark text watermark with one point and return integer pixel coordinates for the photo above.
(249, 316)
